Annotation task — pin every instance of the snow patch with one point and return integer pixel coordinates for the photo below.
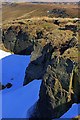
(18, 99)
(4, 54)
(16, 103)
(72, 112)
(13, 70)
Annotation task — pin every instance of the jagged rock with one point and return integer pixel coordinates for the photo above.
(57, 91)
(16, 39)
(40, 58)
(68, 45)
(60, 82)
(71, 27)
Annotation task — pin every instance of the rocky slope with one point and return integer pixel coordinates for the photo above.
(21, 35)
(60, 82)
(53, 45)
(16, 39)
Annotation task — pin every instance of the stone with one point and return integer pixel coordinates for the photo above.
(17, 40)
(8, 85)
(57, 91)
(60, 82)
(40, 58)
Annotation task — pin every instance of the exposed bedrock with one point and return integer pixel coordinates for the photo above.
(20, 38)
(40, 58)
(17, 40)
(60, 86)
(59, 90)
(51, 61)
(67, 45)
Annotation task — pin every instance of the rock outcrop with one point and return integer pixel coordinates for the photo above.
(59, 12)
(40, 58)
(20, 36)
(67, 45)
(60, 82)
(59, 90)
(16, 39)
(53, 48)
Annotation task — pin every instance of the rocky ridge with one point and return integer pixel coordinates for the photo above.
(54, 51)
(20, 36)
(60, 82)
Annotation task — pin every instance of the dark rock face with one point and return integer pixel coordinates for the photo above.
(57, 90)
(60, 82)
(40, 58)
(59, 12)
(56, 94)
(68, 45)
(71, 27)
(17, 40)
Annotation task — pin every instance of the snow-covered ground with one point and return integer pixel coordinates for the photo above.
(17, 100)
(16, 103)
(4, 54)
(13, 70)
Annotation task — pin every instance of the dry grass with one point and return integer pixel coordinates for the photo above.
(29, 10)
(36, 18)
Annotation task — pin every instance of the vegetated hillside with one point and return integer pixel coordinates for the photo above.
(19, 36)
(28, 10)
